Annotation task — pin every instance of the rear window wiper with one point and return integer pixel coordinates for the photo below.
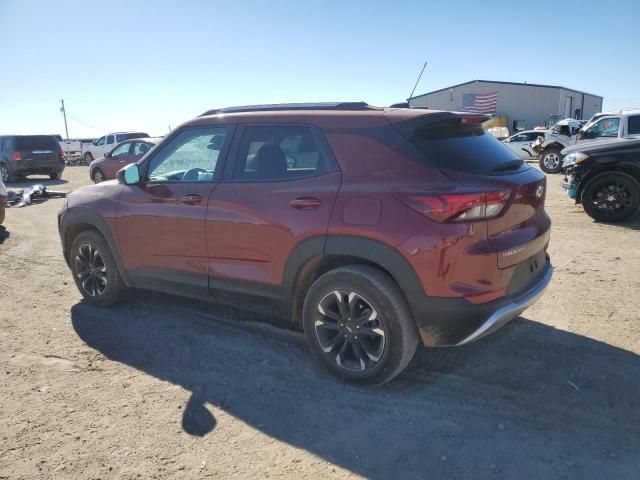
(513, 165)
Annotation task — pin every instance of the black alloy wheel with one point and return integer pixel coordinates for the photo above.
(350, 330)
(611, 197)
(91, 270)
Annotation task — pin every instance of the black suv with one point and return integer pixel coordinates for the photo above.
(22, 155)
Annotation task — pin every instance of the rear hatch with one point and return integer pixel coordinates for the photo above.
(474, 159)
(37, 151)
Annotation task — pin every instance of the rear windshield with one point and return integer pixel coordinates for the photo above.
(36, 142)
(451, 145)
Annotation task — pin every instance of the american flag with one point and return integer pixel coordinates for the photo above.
(479, 102)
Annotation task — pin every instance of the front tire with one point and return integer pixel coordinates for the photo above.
(611, 197)
(95, 270)
(551, 161)
(98, 176)
(359, 326)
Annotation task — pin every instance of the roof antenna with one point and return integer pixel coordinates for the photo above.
(417, 81)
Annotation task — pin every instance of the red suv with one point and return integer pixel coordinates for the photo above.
(373, 227)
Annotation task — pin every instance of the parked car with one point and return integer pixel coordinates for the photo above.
(605, 178)
(371, 227)
(520, 143)
(3, 200)
(130, 151)
(22, 155)
(620, 124)
(106, 143)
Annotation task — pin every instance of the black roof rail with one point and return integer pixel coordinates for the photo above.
(291, 106)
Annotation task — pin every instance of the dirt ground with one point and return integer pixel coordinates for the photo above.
(160, 387)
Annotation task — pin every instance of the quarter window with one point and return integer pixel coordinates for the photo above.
(277, 153)
(191, 156)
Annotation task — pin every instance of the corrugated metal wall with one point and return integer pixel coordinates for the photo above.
(527, 104)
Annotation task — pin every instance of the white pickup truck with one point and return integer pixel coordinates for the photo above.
(72, 147)
(106, 143)
(566, 133)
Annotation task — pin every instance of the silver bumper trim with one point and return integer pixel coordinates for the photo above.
(512, 310)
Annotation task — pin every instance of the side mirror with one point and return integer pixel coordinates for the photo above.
(129, 175)
(107, 154)
(582, 135)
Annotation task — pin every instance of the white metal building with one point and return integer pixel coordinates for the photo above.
(526, 105)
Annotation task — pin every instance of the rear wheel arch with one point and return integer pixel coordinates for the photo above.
(316, 256)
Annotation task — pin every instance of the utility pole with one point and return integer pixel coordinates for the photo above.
(64, 114)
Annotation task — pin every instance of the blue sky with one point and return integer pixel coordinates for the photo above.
(124, 65)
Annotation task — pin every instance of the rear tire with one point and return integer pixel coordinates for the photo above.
(611, 197)
(4, 173)
(2, 213)
(368, 340)
(55, 175)
(95, 270)
(88, 158)
(551, 161)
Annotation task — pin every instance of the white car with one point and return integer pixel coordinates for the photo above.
(520, 143)
(106, 143)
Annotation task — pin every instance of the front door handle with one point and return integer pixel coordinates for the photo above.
(191, 199)
(305, 203)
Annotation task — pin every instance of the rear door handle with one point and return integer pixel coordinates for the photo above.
(305, 203)
(191, 199)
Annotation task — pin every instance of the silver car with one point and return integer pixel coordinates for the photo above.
(520, 143)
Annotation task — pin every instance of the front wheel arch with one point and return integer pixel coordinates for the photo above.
(76, 221)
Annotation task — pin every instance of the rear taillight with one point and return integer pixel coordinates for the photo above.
(17, 156)
(457, 207)
(60, 154)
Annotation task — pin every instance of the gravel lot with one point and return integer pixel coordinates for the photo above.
(160, 387)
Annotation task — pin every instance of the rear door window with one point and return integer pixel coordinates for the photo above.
(634, 125)
(277, 153)
(452, 145)
(110, 140)
(36, 142)
(140, 148)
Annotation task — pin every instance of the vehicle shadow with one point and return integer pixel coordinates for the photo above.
(530, 401)
(34, 180)
(632, 223)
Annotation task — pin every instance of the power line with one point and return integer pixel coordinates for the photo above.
(84, 123)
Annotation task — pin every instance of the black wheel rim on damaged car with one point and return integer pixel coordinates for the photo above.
(612, 197)
(91, 270)
(350, 330)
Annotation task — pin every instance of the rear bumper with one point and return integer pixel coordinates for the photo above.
(32, 168)
(455, 321)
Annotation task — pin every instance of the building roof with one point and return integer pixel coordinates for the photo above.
(503, 83)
